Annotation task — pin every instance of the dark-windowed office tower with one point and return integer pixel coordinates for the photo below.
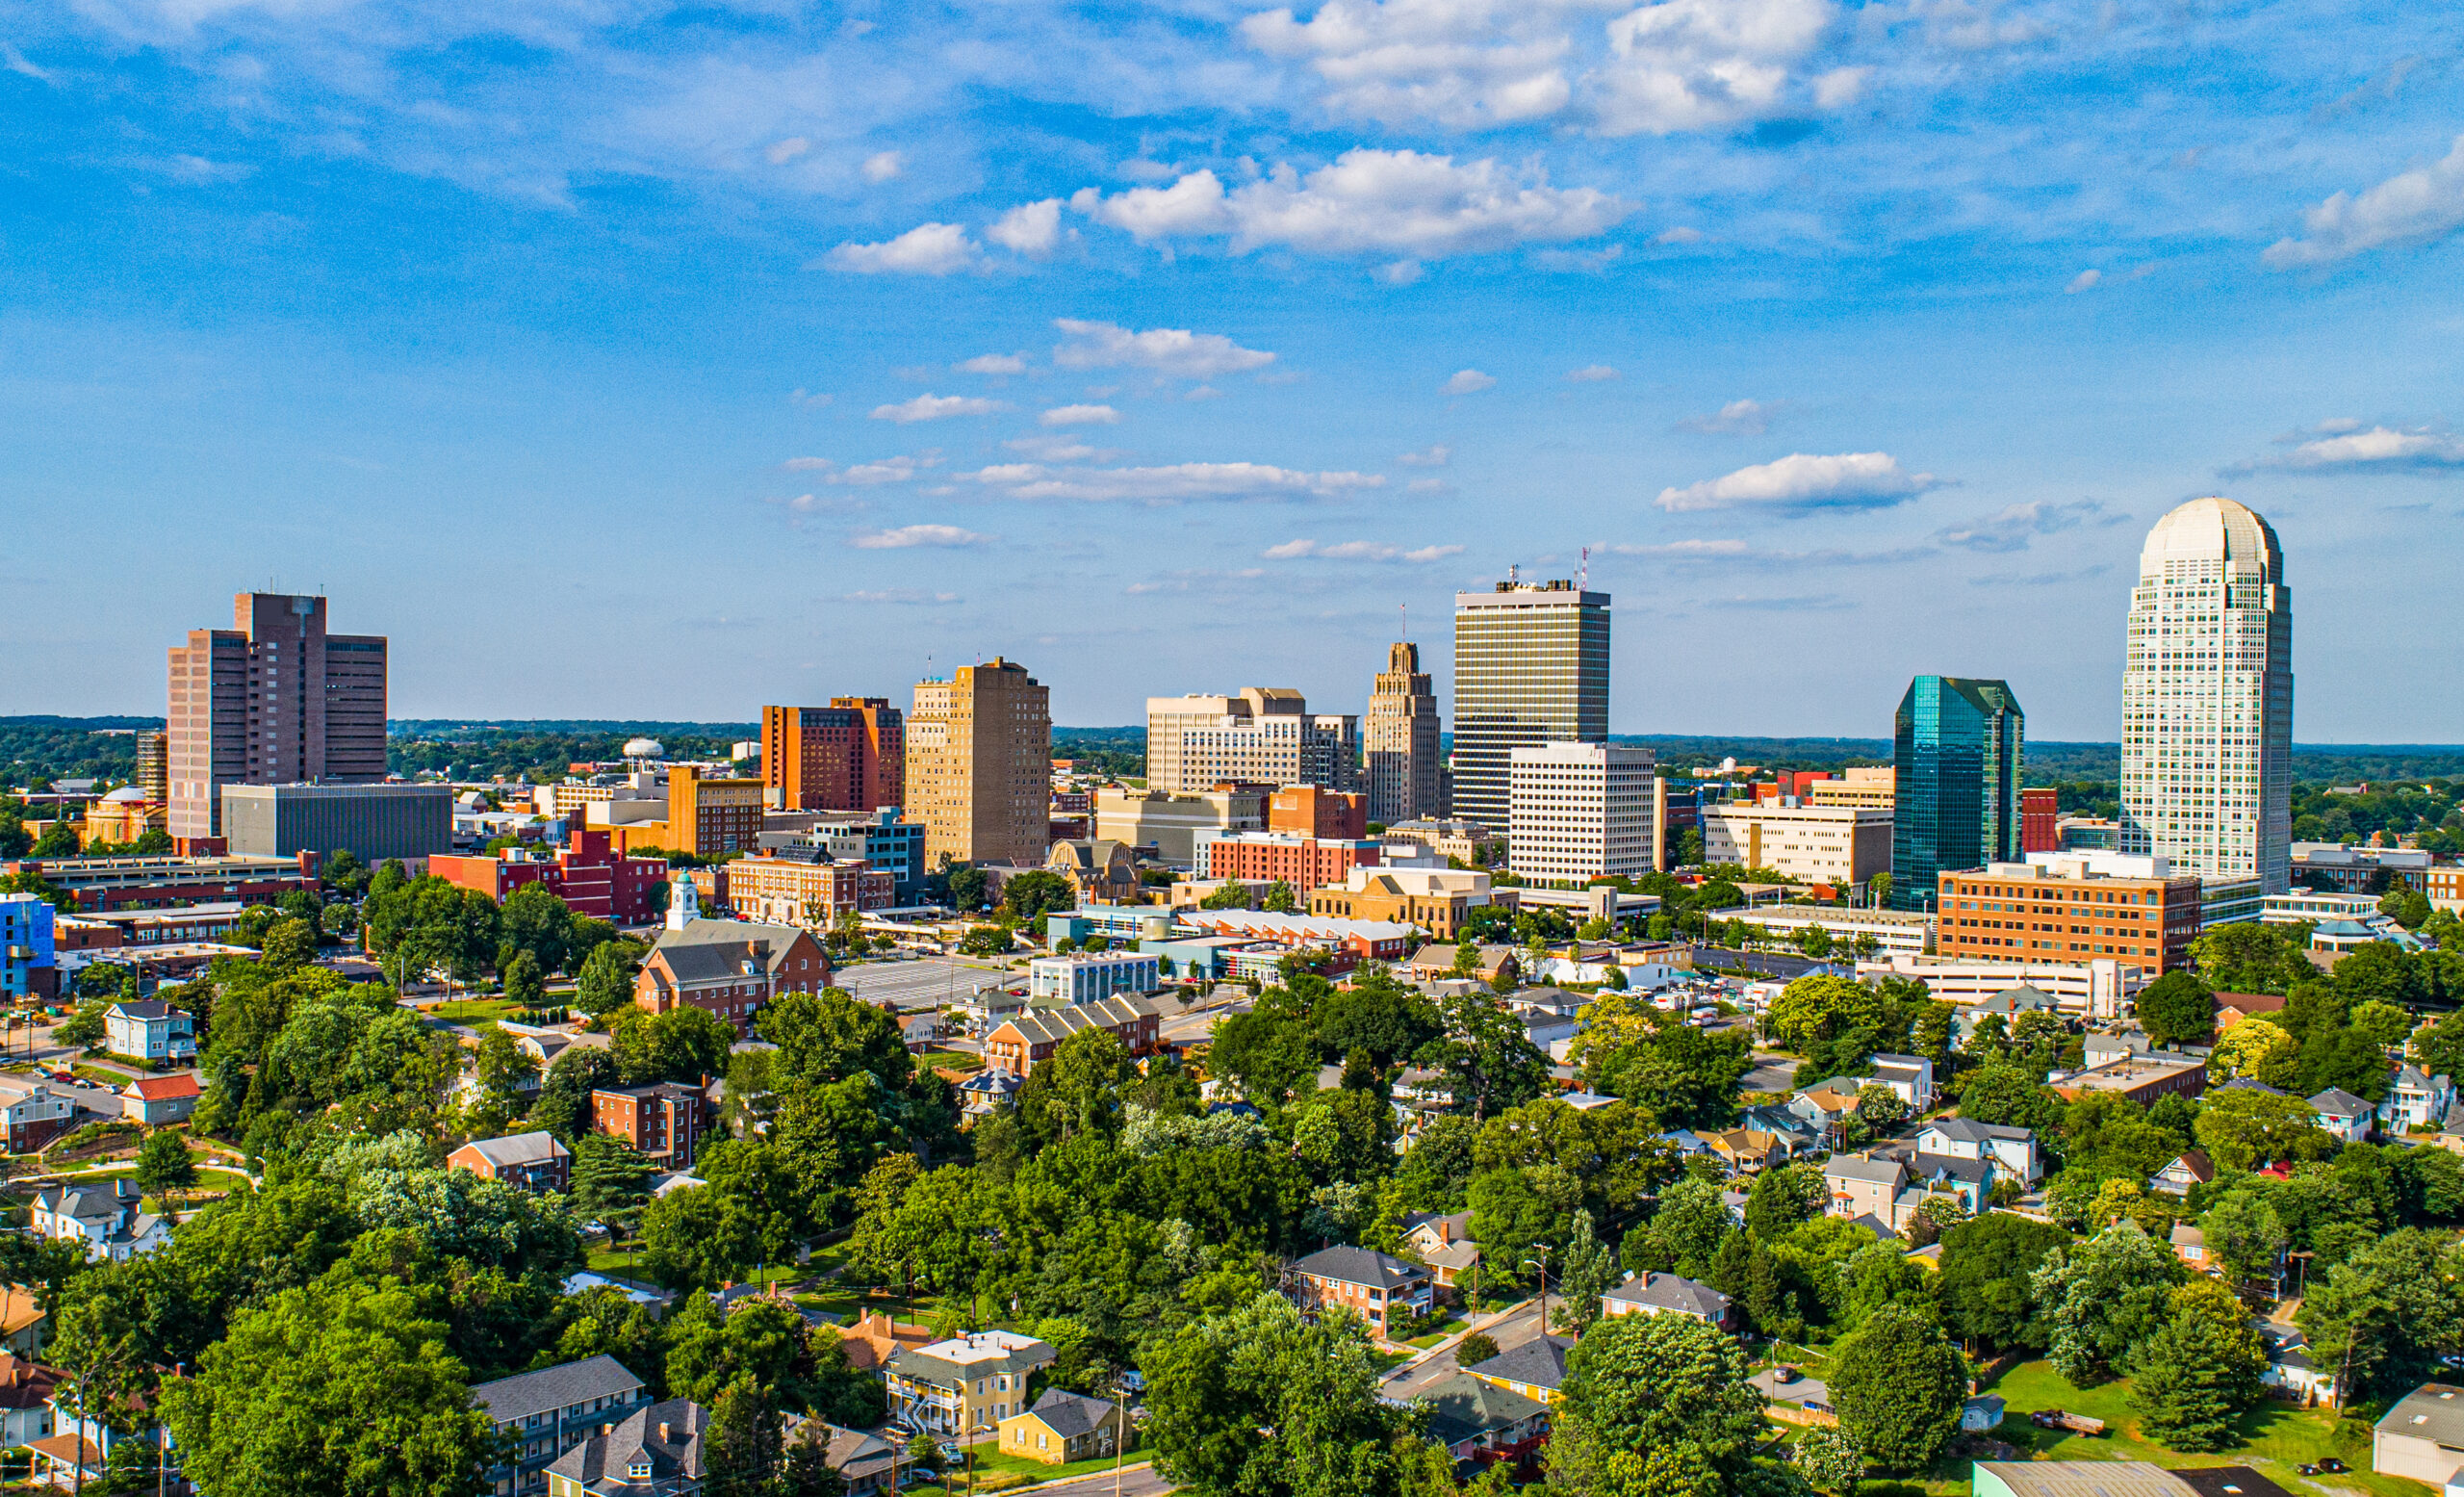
(1956, 748)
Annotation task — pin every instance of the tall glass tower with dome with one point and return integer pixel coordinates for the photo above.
(2207, 699)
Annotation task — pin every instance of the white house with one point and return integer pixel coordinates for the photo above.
(1911, 1077)
(106, 1220)
(2011, 1151)
(2414, 1101)
(2341, 1114)
(149, 1030)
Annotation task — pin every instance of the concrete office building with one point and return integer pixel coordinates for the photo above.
(2207, 698)
(374, 822)
(1171, 823)
(1578, 811)
(978, 765)
(154, 765)
(1956, 749)
(2058, 909)
(274, 699)
(1399, 739)
(1530, 667)
(880, 838)
(849, 755)
(1821, 844)
(1866, 786)
(1263, 735)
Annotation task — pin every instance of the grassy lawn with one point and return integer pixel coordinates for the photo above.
(1445, 1328)
(478, 1013)
(989, 1461)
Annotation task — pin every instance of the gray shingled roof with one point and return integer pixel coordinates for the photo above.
(1537, 1364)
(678, 1455)
(1037, 1026)
(1873, 1171)
(1463, 1407)
(518, 1150)
(1968, 1130)
(2432, 1411)
(1071, 1416)
(518, 1397)
(1974, 1171)
(1360, 1266)
(1669, 1292)
(2340, 1102)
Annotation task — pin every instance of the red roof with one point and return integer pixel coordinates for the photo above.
(165, 1088)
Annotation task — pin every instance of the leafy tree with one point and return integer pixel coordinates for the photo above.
(2252, 958)
(985, 941)
(2009, 1096)
(1474, 1350)
(523, 983)
(1486, 1056)
(1260, 1401)
(1780, 1198)
(1684, 1234)
(1814, 1009)
(1268, 1053)
(1585, 1272)
(163, 1163)
(1826, 1455)
(747, 1443)
(290, 945)
(2101, 1298)
(2199, 1371)
(2254, 1047)
(2383, 972)
(1377, 1015)
(84, 1028)
(696, 1238)
(967, 887)
(1078, 1088)
(1879, 1108)
(535, 921)
(1030, 896)
(2177, 1009)
(685, 1044)
(1899, 1384)
(1656, 1405)
(2241, 1128)
(2245, 1236)
(502, 1075)
(610, 1178)
(2383, 1024)
(564, 1106)
(1279, 898)
(1231, 895)
(605, 982)
(2387, 1312)
(827, 1037)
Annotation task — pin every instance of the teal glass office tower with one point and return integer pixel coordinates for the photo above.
(1956, 750)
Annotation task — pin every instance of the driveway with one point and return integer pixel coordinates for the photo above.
(1771, 1072)
(1508, 1328)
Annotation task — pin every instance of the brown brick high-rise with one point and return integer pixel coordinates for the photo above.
(272, 700)
(978, 765)
(849, 755)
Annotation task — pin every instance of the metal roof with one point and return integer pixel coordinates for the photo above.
(2432, 1411)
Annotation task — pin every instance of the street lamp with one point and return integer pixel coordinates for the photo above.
(1543, 1267)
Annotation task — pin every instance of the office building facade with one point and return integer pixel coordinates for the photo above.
(1261, 735)
(849, 755)
(1956, 750)
(1820, 845)
(274, 699)
(978, 765)
(1530, 667)
(1578, 811)
(1401, 741)
(2207, 698)
(373, 821)
(2070, 911)
(1171, 824)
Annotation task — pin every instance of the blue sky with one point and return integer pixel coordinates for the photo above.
(625, 360)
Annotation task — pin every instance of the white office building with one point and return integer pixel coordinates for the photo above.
(2207, 698)
(1578, 811)
(1084, 977)
(1818, 844)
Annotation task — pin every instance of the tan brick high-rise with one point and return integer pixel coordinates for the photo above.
(978, 765)
(272, 700)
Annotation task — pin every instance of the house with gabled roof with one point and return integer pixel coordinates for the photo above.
(1378, 1287)
(104, 1218)
(2414, 1100)
(2343, 1113)
(1026, 1039)
(1443, 1242)
(2013, 1152)
(730, 968)
(548, 1412)
(659, 1451)
(1650, 1293)
(1062, 1426)
(1479, 1421)
(537, 1161)
(154, 1100)
(1536, 1368)
(2191, 1167)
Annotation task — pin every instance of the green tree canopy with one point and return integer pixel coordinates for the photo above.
(1899, 1384)
(2177, 1009)
(1657, 1405)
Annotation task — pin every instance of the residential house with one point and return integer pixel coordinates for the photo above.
(1062, 1426)
(964, 1384)
(1686, 1141)
(2190, 1245)
(988, 1091)
(730, 968)
(2008, 1005)
(1479, 1421)
(1749, 1151)
(26, 1391)
(2341, 1114)
(1802, 1136)
(2422, 1436)
(1826, 1104)
(33, 1113)
(1895, 1189)
(2451, 1134)
(535, 1162)
(24, 1327)
(78, 1452)
(658, 1451)
(149, 1030)
(876, 1337)
(858, 1457)
(2290, 1373)
(2189, 1168)
(2104, 1046)
(548, 1412)
(1382, 1290)
(650, 1297)
(156, 1100)
(1911, 1077)
(664, 1121)
(2232, 1008)
(1024, 1041)
(104, 1218)
(1443, 1243)
(2013, 1152)
(2414, 1101)
(1667, 1294)
(1536, 1368)
(1436, 960)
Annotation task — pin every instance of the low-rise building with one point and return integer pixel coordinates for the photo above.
(149, 1029)
(1098, 869)
(33, 1114)
(1304, 863)
(1380, 1288)
(1535, 1369)
(1467, 843)
(2422, 1436)
(1475, 1420)
(2070, 908)
(813, 894)
(1443, 1243)
(1896, 932)
(2143, 1079)
(2187, 1169)
(1436, 900)
(2102, 987)
(661, 1450)
(1171, 823)
(548, 1412)
(664, 1121)
(1650, 1293)
(1894, 1190)
(963, 1383)
(29, 951)
(27, 1388)
(104, 1218)
(535, 1162)
(154, 1100)
(1086, 977)
(24, 1324)
(2013, 1152)
(728, 967)
(587, 873)
(1062, 1426)
(1835, 844)
(1024, 1041)
(2415, 1100)
(1364, 941)
(2190, 1245)
(2341, 1114)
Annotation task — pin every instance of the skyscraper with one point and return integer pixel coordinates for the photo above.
(1261, 736)
(2207, 698)
(1956, 751)
(1530, 667)
(1400, 734)
(849, 755)
(272, 700)
(978, 765)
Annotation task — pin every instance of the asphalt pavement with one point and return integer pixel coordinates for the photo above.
(928, 983)
(1771, 1072)
(1136, 1481)
(1508, 1328)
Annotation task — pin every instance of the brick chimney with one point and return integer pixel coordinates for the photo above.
(662, 1431)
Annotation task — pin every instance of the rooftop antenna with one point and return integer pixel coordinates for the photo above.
(1406, 609)
(1583, 576)
(1513, 573)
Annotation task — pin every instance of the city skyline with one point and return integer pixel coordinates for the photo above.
(876, 347)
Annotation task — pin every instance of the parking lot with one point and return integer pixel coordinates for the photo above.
(930, 982)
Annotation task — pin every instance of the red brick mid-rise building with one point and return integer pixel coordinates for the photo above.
(1305, 863)
(2027, 913)
(789, 891)
(2039, 813)
(1311, 811)
(664, 1121)
(585, 873)
(730, 968)
(849, 755)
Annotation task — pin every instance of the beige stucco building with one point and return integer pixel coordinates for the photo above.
(1819, 844)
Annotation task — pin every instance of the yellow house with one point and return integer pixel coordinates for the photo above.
(1066, 1426)
(963, 1384)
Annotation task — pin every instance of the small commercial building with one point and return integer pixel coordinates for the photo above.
(1086, 977)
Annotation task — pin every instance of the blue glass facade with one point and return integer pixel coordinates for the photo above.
(26, 950)
(1956, 749)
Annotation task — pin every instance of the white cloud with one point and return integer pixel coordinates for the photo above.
(929, 406)
(2014, 526)
(1433, 457)
(886, 470)
(1055, 448)
(781, 152)
(1578, 262)
(1365, 202)
(1466, 381)
(1800, 481)
(1700, 65)
(902, 595)
(808, 464)
(1030, 228)
(1746, 418)
(994, 364)
(926, 249)
(1429, 486)
(1401, 272)
(1686, 550)
(1680, 235)
(1170, 484)
(2411, 208)
(1168, 350)
(1079, 416)
(1203, 393)
(2085, 281)
(1466, 63)
(883, 165)
(2349, 445)
(1357, 551)
(907, 535)
(1590, 374)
